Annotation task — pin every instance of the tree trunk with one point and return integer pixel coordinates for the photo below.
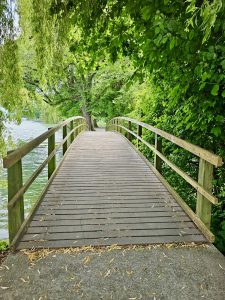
(95, 123)
(87, 116)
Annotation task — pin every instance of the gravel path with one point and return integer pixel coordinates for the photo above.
(115, 273)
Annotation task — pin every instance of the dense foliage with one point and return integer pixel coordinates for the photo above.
(172, 73)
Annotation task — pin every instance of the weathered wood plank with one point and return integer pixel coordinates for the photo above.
(113, 226)
(112, 241)
(109, 234)
(102, 221)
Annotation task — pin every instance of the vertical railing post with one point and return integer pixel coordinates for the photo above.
(157, 159)
(16, 212)
(79, 129)
(123, 131)
(203, 206)
(139, 133)
(65, 144)
(128, 133)
(52, 162)
(72, 134)
(76, 130)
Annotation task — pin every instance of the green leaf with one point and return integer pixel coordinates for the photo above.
(216, 131)
(223, 64)
(202, 86)
(215, 90)
(205, 76)
(223, 94)
(220, 118)
(172, 43)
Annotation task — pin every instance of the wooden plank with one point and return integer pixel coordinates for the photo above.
(113, 241)
(116, 215)
(96, 211)
(100, 205)
(143, 220)
(100, 227)
(110, 234)
(102, 199)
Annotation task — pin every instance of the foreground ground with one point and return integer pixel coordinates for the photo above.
(156, 272)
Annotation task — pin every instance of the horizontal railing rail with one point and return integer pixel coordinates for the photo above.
(13, 162)
(207, 160)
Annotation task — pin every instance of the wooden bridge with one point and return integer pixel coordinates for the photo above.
(106, 192)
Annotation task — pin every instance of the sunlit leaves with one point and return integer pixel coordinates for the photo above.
(215, 90)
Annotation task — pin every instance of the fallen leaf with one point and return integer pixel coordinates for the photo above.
(25, 281)
(87, 260)
(107, 273)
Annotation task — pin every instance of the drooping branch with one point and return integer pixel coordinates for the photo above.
(47, 99)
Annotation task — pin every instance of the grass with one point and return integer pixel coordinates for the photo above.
(3, 250)
(3, 245)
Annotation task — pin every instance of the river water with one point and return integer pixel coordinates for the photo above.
(26, 131)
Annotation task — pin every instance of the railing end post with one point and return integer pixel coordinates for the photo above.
(203, 205)
(15, 212)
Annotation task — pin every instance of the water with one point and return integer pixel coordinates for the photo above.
(20, 134)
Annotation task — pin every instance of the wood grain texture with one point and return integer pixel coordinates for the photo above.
(104, 193)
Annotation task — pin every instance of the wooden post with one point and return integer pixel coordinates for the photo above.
(205, 177)
(16, 212)
(64, 136)
(128, 133)
(72, 134)
(78, 130)
(157, 159)
(139, 133)
(51, 147)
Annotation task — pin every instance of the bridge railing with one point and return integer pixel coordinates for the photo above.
(13, 162)
(207, 161)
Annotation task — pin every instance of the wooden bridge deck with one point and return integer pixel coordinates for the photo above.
(104, 193)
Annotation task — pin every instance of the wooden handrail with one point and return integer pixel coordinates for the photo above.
(31, 179)
(19, 153)
(196, 150)
(207, 160)
(13, 162)
(186, 177)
